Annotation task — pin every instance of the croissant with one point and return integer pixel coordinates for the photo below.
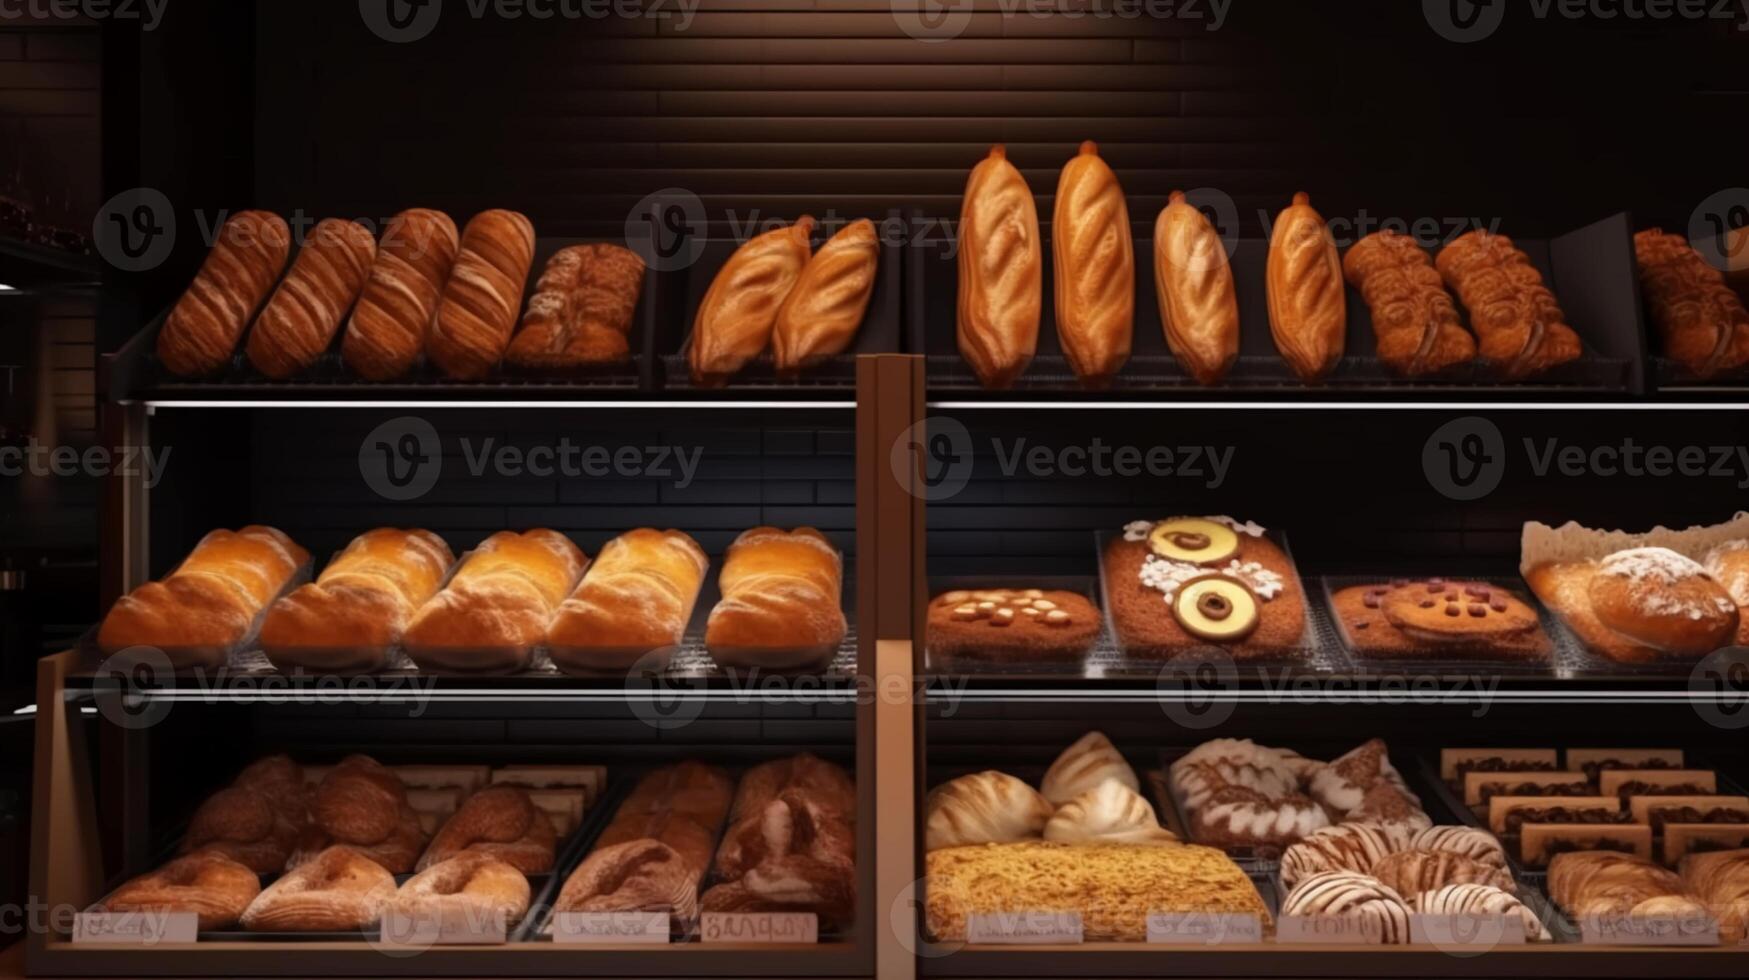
(1704, 325)
(1308, 302)
(1199, 307)
(1413, 316)
(821, 316)
(1084, 766)
(983, 808)
(1001, 272)
(1110, 812)
(1095, 268)
(1518, 322)
(739, 311)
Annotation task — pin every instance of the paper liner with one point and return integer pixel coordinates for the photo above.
(1573, 542)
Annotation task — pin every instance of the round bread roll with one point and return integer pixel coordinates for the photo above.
(984, 808)
(1084, 766)
(1664, 600)
(1110, 812)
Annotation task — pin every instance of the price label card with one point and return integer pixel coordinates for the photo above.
(1475, 931)
(1340, 930)
(135, 928)
(449, 927)
(759, 927)
(1624, 930)
(1204, 929)
(610, 927)
(1024, 928)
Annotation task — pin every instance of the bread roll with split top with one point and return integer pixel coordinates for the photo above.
(388, 327)
(300, 321)
(498, 605)
(203, 329)
(483, 296)
(635, 602)
(782, 601)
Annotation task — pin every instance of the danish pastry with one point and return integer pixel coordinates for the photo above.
(1199, 306)
(1518, 322)
(1413, 317)
(983, 808)
(337, 890)
(209, 884)
(739, 311)
(1703, 324)
(1001, 272)
(1095, 269)
(822, 313)
(1308, 301)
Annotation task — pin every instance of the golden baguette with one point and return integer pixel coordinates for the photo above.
(1095, 268)
(1308, 300)
(824, 310)
(1199, 306)
(735, 320)
(1001, 272)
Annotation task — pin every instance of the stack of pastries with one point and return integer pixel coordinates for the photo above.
(422, 291)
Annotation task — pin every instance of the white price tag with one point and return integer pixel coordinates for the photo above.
(135, 928)
(1023, 928)
(1663, 930)
(1468, 931)
(610, 927)
(1341, 930)
(1204, 929)
(759, 927)
(447, 927)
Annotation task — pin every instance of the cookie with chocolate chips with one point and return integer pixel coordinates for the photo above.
(1440, 617)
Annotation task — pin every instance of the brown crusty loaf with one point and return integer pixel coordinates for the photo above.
(363, 805)
(1095, 267)
(1308, 300)
(582, 309)
(738, 313)
(352, 617)
(1413, 317)
(497, 606)
(635, 601)
(208, 606)
(202, 331)
(1518, 322)
(824, 310)
(805, 776)
(388, 328)
(653, 855)
(484, 294)
(1704, 325)
(258, 820)
(500, 822)
(1199, 305)
(300, 321)
(214, 887)
(782, 601)
(337, 890)
(1001, 272)
(790, 846)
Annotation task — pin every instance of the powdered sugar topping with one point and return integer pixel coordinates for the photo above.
(1659, 566)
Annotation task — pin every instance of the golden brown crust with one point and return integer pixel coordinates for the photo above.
(202, 331)
(469, 888)
(388, 328)
(214, 887)
(791, 845)
(338, 890)
(363, 805)
(1413, 317)
(497, 606)
(500, 822)
(1095, 268)
(1001, 272)
(1199, 306)
(1147, 627)
(1704, 325)
(996, 624)
(1518, 322)
(658, 847)
(822, 313)
(484, 295)
(738, 313)
(782, 603)
(582, 309)
(636, 599)
(1642, 605)
(1308, 300)
(299, 322)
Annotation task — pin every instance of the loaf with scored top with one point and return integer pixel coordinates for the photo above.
(633, 605)
(202, 331)
(483, 297)
(1001, 270)
(739, 311)
(782, 601)
(496, 608)
(300, 321)
(1308, 300)
(1199, 305)
(388, 327)
(581, 313)
(824, 310)
(1095, 267)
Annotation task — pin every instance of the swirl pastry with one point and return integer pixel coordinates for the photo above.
(299, 322)
(1704, 325)
(1084, 766)
(202, 331)
(500, 822)
(983, 808)
(1343, 893)
(1518, 322)
(1345, 847)
(388, 327)
(470, 887)
(1199, 307)
(739, 312)
(1095, 268)
(1413, 872)
(478, 311)
(825, 309)
(338, 890)
(1477, 899)
(1413, 317)
(1110, 812)
(209, 884)
(1477, 845)
(1308, 301)
(1001, 270)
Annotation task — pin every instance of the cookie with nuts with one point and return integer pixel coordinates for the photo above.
(1437, 617)
(1012, 624)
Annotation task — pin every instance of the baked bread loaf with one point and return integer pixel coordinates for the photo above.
(653, 855)
(1728, 564)
(1012, 624)
(1476, 899)
(1518, 322)
(388, 327)
(1001, 272)
(299, 323)
(1609, 883)
(738, 313)
(1702, 323)
(1199, 306)
(1111, 813)
(257, 821)
(1379, 908)
(791, 845)
(1115, 887)
(470, 888)
(500, 822)
(351, 618)
(202, 331)
(805, 777)
(1641, 605)
(209, 606)
(483, 296)
(983, 808)
(338, 890)
(822, 313)
(782, 601)
(1084, 766)
(1413, 317)
(633, 605)
(1439, 617)
(362, 804)
(1094, 264)
(214, 887)
(1412, 872)
(1720, 879)
(496, 608)
(582, 310)
(1308, 300)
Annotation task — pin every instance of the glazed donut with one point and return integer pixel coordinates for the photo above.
(1656, 597)
(338, 890)
(209, 884)
(1345, 893)
(362, 805)
(1474, 899)
(470, 888)
(1413, 872)
(1348, 847)
(1393, 810)
(1477, 845)
(257, 820)
(501, 822)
